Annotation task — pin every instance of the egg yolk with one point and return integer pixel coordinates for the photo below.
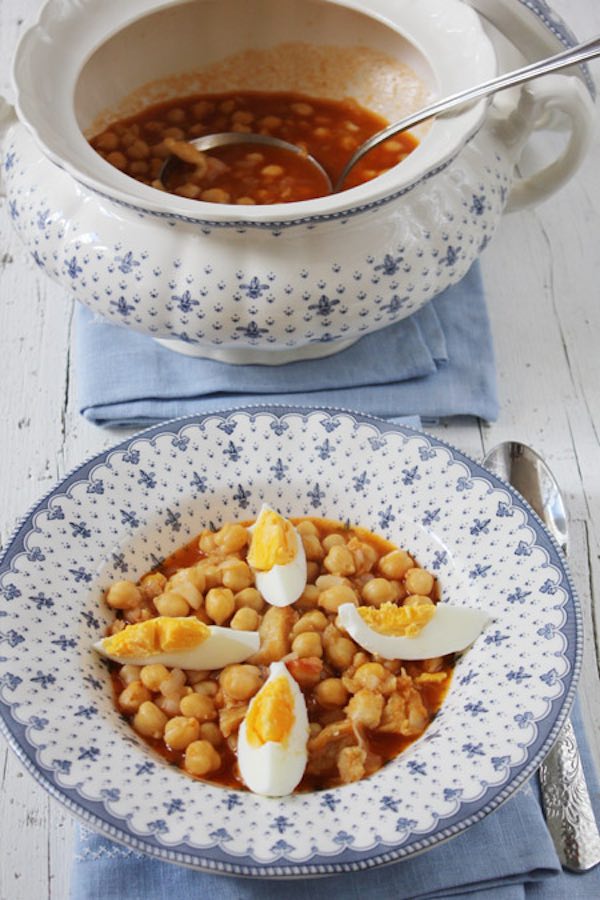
(156, 636)
(271, 715)
(399, 621)
(273, 542)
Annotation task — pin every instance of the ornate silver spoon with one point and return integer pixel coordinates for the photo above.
(587, 50)
(565, 796)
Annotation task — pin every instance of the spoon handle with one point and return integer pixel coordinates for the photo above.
(567, 805)
(586, 50)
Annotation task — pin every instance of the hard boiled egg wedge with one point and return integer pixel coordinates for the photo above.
(183, 643)
(272, 742)
(276, 556)
(412, 632)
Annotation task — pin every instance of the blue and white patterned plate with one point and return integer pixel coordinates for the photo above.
(119, 513)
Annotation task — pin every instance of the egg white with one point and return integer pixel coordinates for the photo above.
(452, 629)
(223, 647)
(283, 584)
(274, 769)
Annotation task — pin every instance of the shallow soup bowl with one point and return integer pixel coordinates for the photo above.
(282, 281)
(119, 513)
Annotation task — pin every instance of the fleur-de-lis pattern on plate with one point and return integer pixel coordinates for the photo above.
(161, 489)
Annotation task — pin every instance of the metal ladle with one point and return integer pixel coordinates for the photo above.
(587, 50)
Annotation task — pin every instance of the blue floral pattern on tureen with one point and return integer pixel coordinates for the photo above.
(121, 512)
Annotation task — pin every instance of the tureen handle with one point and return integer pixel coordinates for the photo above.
(7, 118)
(542, 104)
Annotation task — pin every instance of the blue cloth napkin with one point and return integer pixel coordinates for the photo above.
(438, 362)
(506, 856)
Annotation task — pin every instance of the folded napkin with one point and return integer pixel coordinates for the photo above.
(506, 856)
(438, 362)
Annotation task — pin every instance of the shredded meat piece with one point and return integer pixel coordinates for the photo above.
(324, 749)
(365, 708)
(274, 632)
(404, 712)
(351, 764)
(231, 719)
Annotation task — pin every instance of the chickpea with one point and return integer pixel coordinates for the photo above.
(153, 676)
(242, 117)
(245, 619)
(192, 574)
(173, 683)
(206, 688)
(124, 595)
(326, 581)
(210, 731)
(107, 141)
(339, 561)
(312, 547)
(313, 729)
(187, 590)
(176, 115)
(307, 527)
(199, 706)
(270, 122)
(171, 603)
(195, 676)
(207, 542)
(395, 564)
(302, 109)
(215, 195)
(133, 696)
(332, 598)
(309, 597)
(232, 538)
(249, 598)
(245, 201)
(314, 620)
(332, 540)
(138, 150)
(152, 585)
(169, 705)
(191, 191)
(240, 682)
(181, 731)
(202, 108)
(117, 159)
(219, 604)
(212, 575)
(378, 591)
(177, 134)
(236, 575)
(339, 650)
(149, 720)
(129, 673)
(418, 581)
(307, 644)
(201, 758)
(418, 600)
(272, 170)
(331, 693)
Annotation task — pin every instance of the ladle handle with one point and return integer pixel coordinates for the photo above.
(587, 50)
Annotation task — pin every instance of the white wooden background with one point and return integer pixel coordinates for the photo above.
(542, 274)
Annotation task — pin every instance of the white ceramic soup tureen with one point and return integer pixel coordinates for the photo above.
(288, 281)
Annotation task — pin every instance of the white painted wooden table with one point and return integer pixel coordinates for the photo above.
(542, 274)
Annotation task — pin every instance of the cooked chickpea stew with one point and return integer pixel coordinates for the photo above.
(363, 710)
(249, 174)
